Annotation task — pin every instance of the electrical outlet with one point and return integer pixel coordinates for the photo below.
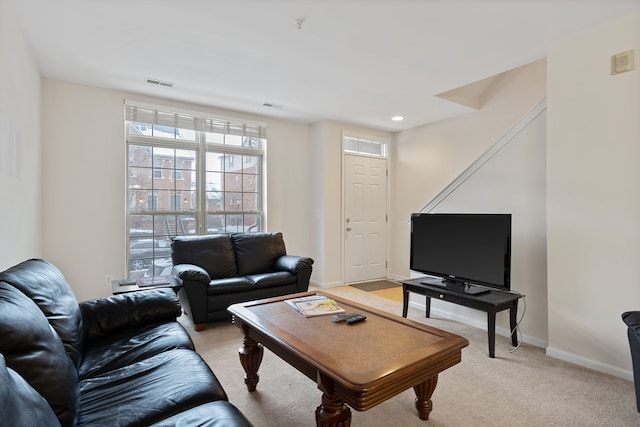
(107, 280)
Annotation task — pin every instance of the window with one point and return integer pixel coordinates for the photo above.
(363, 145)
(189, 174)
(157, 170)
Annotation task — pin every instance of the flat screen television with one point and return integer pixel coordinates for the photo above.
(462, 250)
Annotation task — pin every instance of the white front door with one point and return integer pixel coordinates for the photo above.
(365, 218)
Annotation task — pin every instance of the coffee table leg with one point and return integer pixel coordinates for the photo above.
(424, 391)
(251, 353)
(333, 412)
(405, 300)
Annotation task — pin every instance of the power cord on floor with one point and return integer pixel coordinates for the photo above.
(517, 331)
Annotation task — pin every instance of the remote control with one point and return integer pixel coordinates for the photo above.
(356, 318)
(342, 316)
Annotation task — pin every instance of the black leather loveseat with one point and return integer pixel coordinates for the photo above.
(216, 271)
(116, 361)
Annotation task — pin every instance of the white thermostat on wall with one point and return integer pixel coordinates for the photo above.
(623, 61)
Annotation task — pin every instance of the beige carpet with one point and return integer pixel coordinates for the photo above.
(524, 388)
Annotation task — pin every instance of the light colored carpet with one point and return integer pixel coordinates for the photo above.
(525, 388)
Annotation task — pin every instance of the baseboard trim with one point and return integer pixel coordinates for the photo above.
(549, 351)
(589, 363)
(500, 331)
(325, 284)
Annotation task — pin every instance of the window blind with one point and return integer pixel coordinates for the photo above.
(215, 124)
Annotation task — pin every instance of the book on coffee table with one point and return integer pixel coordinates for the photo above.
(317, 305)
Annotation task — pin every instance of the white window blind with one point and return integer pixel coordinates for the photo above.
(194, 121)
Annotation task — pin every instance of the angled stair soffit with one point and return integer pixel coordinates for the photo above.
(476, 94)
(469, 95)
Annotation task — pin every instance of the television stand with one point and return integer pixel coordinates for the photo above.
(463, 288)
(490, 302)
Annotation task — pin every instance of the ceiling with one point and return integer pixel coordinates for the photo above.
(356, 61)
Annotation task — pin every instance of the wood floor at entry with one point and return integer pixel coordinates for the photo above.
(394, 294)
(388, 289)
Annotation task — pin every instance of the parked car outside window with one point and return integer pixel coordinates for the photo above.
(143, 251)
(160, 267)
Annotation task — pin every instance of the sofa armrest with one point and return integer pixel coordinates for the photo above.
(105, 316)
(632, 320)
(300, 266)
(292, 263)
(183, 272)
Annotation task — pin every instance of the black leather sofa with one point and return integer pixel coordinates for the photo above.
(216, 271)
(117, 361)
(632, 320)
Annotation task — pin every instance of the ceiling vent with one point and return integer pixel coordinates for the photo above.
(159, 82)
(273, 105)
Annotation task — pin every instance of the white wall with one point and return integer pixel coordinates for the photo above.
(516, 179)
(20, 176)
(430, 157)
(84, 182)
(593, 196)
(62, 198)
(327, 197)
(319, 219)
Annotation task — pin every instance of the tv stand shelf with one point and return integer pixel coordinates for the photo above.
(490, 302)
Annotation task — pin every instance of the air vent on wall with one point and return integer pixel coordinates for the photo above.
(272, 105)
(159, 82)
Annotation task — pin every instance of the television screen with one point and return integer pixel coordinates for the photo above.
(463, 249)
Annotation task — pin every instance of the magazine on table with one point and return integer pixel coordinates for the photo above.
(317, 305)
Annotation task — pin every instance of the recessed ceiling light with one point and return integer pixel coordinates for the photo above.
(397, 118)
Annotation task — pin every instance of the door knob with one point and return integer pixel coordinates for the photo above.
(348, 228)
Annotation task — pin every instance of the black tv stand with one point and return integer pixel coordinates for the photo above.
(490, 302)
(454, 286)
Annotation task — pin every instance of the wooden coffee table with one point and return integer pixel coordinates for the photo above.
(359, 365)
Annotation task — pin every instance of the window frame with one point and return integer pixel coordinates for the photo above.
(251, 145)
(361, 142)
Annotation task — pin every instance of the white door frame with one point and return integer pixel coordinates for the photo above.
(343, 182)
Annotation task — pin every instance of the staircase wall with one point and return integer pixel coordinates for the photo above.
(428, 159)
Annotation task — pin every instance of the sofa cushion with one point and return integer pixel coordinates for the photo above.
(229, 285)
(118, 350)
(268, 280)
(20, 404)
(43, 283)
(148, 391)
(213, 253)
(213, 414)
(111, 315)
(256, 252)
(32, 348)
